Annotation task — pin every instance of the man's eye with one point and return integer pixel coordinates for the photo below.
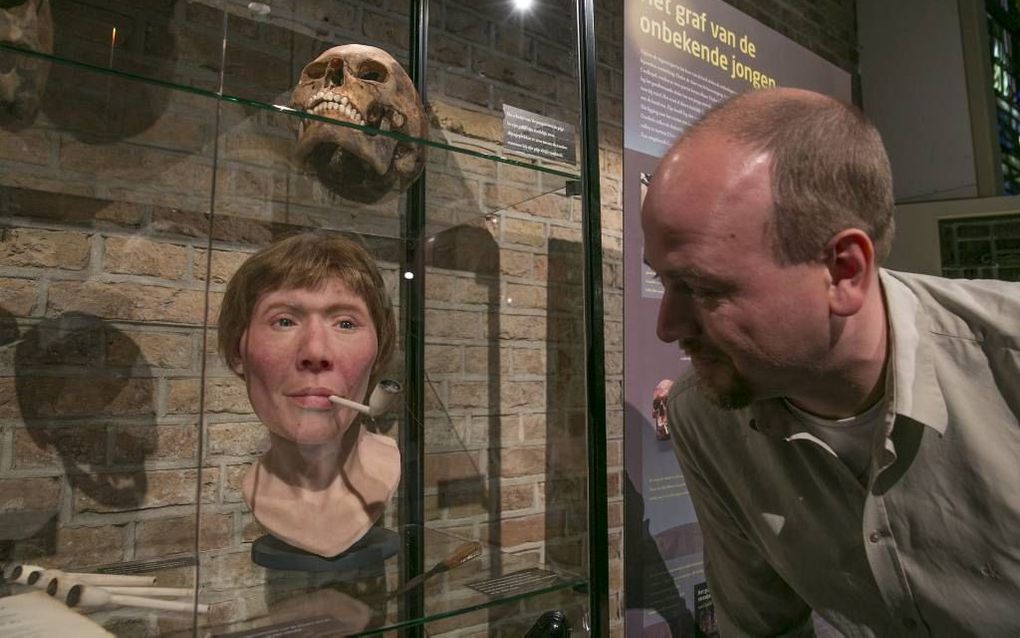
(284, 322)
(346, 324)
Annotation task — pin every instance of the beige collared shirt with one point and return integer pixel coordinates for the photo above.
(930, 546)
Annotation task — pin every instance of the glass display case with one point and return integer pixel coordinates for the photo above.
(149, 148)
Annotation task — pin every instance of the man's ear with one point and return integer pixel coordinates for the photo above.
(850, 260)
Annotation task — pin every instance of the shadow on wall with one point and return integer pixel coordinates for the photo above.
(86, 397)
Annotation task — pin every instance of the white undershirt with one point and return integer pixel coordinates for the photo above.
(849, 439)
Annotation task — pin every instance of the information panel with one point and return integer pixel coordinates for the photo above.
(680, 58)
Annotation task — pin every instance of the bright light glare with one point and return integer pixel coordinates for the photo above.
(408, 275)
(523, 5)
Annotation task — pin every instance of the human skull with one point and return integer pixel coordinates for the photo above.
(366, 86)
(27, 25)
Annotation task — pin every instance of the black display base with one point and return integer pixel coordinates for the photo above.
(369, 552)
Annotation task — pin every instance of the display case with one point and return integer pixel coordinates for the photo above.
(148, 150)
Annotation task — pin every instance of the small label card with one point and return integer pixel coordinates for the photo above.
(518, 582)
(536, 135)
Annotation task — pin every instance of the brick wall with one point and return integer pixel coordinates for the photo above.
(104, 199)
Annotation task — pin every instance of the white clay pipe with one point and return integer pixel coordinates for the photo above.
(26, 575)
(59, 588)
(86, 596)
(378, 403)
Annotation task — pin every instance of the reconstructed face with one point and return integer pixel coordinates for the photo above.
(300, 347)
(363, 85)
(751, 327)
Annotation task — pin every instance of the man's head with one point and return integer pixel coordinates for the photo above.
(766, 222)
(303, 318)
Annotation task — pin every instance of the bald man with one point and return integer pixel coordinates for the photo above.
(849, 434)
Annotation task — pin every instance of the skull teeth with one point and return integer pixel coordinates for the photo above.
(336, 106)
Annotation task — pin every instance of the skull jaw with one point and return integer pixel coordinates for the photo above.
(350, 163)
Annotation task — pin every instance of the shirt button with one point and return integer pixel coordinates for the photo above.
(909, 623)
(875, 537)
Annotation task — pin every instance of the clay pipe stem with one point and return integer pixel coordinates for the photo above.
(86, 596)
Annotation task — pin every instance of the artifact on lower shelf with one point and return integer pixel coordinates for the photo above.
(304, 322)
(464, 553)
(82, 589)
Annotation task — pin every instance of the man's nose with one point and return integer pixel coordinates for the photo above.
(678, 318)
(315, 354)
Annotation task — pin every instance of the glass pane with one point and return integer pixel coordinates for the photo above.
(131, 195)
(102, 293)
(486, 56)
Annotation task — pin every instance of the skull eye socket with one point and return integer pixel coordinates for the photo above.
(372, 72)
(314, 71)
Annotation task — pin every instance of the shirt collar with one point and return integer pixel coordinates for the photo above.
(914, 385)
(916, 390)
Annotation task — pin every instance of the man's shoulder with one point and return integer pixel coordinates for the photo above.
(975, 309)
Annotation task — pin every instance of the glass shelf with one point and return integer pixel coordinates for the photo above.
(270, 189)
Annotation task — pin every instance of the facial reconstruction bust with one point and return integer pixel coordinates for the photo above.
(305, 318)
(363, 85)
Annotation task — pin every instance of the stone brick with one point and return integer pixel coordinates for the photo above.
(67, 208)
(522, 394)
(30, 146)
(455, 119)
(523, 461)
(126, 301)
(518, 530)
(38, 447)
(148, 490)
(482, 360)
(47, 397)
(223, 395)
(165, 536)
(137, 165)
(522, 327)
(450, 466)
(516, 497)
(469, 394)
(467, 89)
(453, 323)
(478, 290)
(523, 296)
(138, 256)
(439, 287)
(76, 547)
(19, 297)
(467, 25)
(22, 494)
(529, 361)
(449, 50)
(443, 359)
(515, 263)
(389, 31)
(224, 264)
(238, 439)
(519, 73)
(520, 231)
(233, 479)
(165, 350)
(26, 247)
(135, 444)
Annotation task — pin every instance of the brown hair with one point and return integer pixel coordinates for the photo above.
(829, 168)
(306, 261)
